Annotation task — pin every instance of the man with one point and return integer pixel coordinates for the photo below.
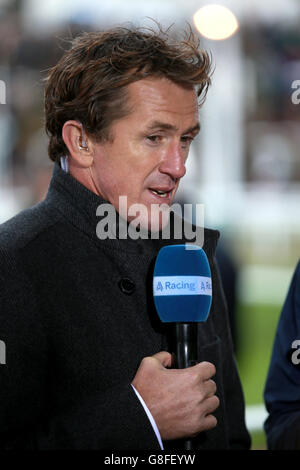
(282, 390)
(87, 363)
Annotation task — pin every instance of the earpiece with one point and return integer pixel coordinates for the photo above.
(83, 144)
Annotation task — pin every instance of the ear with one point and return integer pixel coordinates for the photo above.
(79, 145)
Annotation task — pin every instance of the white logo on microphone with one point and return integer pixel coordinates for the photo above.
(182, 285)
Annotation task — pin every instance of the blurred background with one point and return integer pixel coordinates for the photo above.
(244, 166)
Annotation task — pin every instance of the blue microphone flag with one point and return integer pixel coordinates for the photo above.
(182, 285)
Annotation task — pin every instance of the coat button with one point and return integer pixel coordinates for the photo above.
(127, 286)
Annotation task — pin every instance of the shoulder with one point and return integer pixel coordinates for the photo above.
(297, 275)
(292, 303)
(211, 236)
(23, 228)
(206, 238)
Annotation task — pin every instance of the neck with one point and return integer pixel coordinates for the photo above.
(85, 177)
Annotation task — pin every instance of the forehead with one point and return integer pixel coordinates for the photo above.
(153, 97)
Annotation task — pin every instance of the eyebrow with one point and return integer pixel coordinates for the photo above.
(166, 126)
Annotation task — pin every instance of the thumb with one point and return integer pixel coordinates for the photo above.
(164, 358)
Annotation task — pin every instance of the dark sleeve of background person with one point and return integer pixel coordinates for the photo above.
(282, 390)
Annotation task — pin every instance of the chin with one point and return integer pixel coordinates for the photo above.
(154, 220)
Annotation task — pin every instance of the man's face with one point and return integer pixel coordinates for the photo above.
(146, 157)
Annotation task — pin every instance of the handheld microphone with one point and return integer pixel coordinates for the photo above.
(182, 290)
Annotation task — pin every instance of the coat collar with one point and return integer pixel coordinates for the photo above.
(79, 206)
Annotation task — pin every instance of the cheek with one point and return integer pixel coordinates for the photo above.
(142, 157)
(126, 168)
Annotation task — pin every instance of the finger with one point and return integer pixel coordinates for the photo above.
(206, 370)
(211, 404)
(210, 388)
(210, 421)
(164, 358)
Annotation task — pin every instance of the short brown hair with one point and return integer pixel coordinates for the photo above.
(89, 82)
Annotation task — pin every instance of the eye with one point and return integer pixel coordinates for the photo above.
(154, 139)
(186, 140)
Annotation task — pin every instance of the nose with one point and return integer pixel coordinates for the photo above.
(173, 162)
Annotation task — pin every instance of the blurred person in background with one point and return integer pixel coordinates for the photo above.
(282, 390)
(87, 363)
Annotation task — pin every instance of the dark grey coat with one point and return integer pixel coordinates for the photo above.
(77, 317)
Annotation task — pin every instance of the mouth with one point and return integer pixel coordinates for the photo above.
(157, 192)
(163, 193)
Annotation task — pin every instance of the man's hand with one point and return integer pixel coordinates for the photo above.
(180, 400)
